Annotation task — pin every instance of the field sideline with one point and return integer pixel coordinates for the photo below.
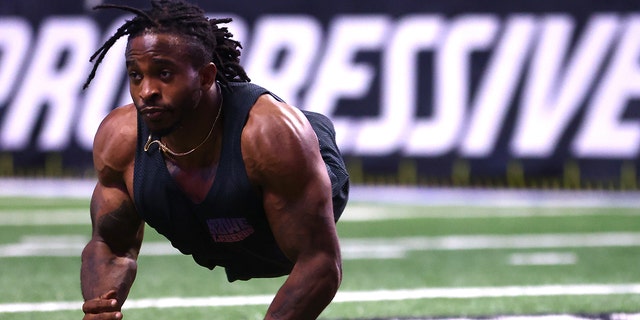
(408, 254)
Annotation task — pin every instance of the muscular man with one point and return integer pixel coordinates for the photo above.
(227, 171)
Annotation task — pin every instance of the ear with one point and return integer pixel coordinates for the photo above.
(208, 74)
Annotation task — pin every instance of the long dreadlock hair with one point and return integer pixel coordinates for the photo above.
(210, 42)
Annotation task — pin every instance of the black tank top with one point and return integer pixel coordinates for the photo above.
(229, 227)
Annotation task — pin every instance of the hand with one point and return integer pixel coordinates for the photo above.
(104, 307)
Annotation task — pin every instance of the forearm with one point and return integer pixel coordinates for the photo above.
(306, 292)
(102, 271)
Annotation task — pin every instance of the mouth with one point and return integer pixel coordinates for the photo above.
(152, 112)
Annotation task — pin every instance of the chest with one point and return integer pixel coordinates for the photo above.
(195, 183)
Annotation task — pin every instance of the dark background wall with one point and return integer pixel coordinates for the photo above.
(453, 93)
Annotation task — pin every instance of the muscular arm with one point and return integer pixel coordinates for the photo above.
(282, 155)
(109, 259)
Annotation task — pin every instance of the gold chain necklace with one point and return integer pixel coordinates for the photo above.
(166, 149)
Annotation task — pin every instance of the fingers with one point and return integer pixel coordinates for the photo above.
(111, 294)
(103, 316)
(102, 308)
(100, 305)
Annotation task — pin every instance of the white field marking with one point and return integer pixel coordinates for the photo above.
(373, 247)
(353, 213)
(493, 197)
(349, 296)
(543, 258)
(363, 212)
(82, 188)
(47, 188)
(369, 248)
(614, 316)
(45, 246)
(45, 217)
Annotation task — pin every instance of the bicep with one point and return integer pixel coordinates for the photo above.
(113, 215)
(301, 220)
(296, 189)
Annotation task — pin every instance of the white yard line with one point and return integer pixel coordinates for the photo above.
(42, 217)
(495, 197)
(82, 188)
(543, 258)
(349, 296)
(353, 213)
(368, 248)
(368, 212)
(47, 188)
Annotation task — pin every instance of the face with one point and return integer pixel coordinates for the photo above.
(165, 87)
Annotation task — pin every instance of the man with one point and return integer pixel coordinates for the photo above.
(228, 172)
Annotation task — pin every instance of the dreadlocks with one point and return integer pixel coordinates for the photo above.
(210, 42)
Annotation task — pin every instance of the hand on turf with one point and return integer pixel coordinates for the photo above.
(102, 308)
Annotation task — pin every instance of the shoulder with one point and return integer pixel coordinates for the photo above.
(273, 115)
(277, 137)
(114, 144)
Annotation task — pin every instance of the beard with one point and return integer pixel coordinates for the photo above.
(163, 131)
(173, 117)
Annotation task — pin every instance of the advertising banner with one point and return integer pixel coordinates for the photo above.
(490, 93)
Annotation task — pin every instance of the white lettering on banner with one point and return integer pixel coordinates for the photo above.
(15, 38)
(388, 132)
(551, 98)
(440, 133)
(498, 86)
(48, 83)
(604, 134)
(338, 76)
(539, 69)
(298, 39)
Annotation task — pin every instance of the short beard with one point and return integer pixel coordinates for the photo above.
(164, 132)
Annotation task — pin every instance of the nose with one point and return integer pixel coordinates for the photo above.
(149, 91)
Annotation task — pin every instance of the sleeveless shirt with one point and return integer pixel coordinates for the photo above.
(229, 228)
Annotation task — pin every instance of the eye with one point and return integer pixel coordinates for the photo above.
(165, 74)
(134, 76)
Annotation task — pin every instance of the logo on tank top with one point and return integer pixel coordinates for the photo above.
(229, 229)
